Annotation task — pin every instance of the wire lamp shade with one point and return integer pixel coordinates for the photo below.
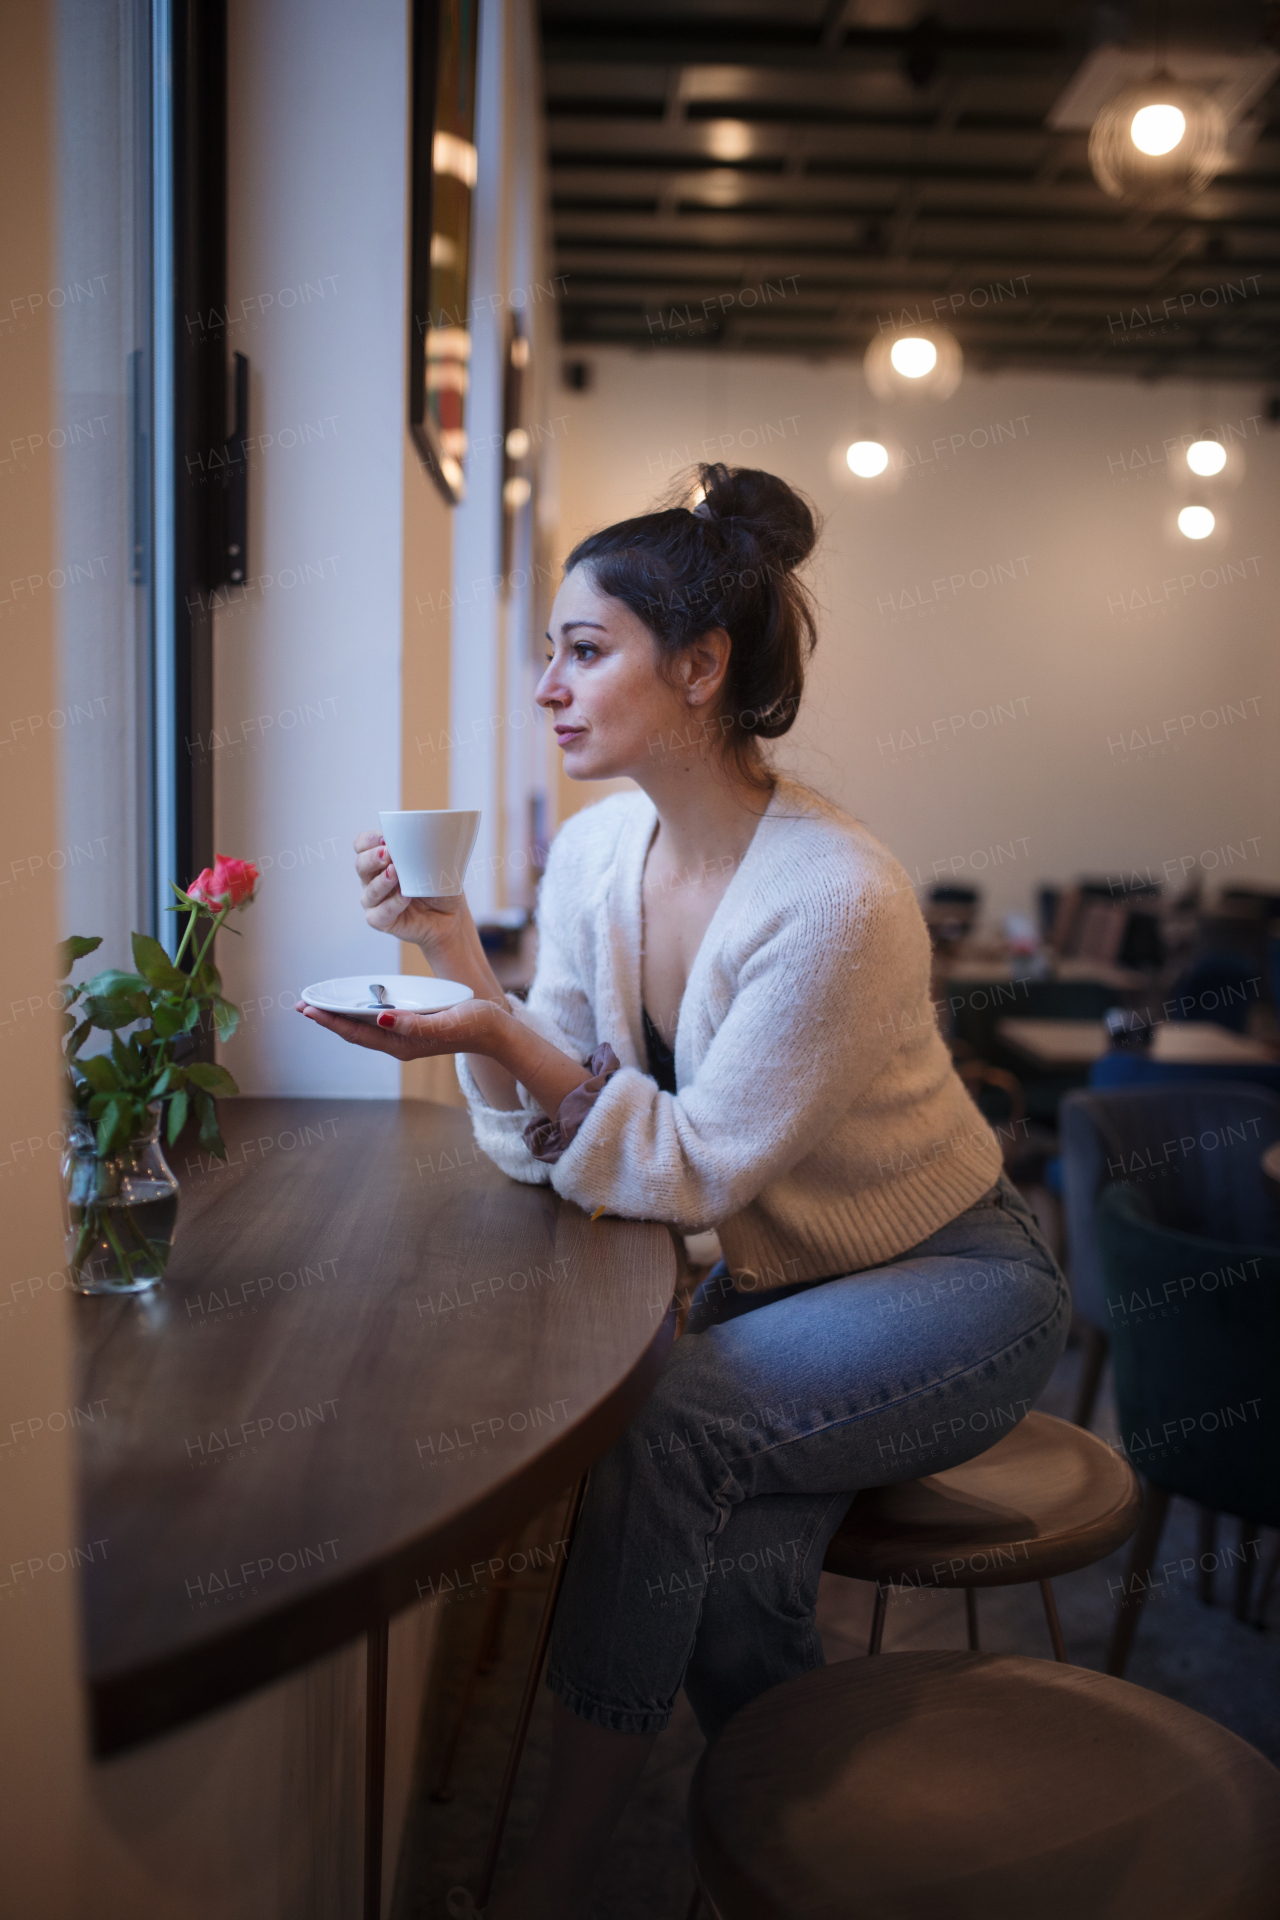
(1182, 164)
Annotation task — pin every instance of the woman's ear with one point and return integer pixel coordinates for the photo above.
(704, 664)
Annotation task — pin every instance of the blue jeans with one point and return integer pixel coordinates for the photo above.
(697, 1556)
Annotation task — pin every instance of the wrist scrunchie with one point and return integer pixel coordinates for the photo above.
(548, 1139)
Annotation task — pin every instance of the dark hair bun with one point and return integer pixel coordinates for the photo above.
(728, 562)
(772, 514)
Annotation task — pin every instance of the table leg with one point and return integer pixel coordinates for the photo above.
(572, 1514)
(375, 1764)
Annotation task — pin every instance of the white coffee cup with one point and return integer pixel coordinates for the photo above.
(430, 850)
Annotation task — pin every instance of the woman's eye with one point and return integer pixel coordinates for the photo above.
(585, 650)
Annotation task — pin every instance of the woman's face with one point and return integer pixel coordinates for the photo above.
(613, 711)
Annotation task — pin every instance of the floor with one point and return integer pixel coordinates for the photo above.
(1200, 1656)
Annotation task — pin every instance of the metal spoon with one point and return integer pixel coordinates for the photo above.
(380, 996)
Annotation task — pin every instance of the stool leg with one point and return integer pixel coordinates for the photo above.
(1208, 1541)
(1092, 1364)
(877, 1619)
(1055, 1625)
(527, 1703)
(971, 1617)
(1137, 1579)
(1250, 1548)
(1264, 1591)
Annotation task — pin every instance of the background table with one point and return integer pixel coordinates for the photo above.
(1078, 1043)
(372, 1357)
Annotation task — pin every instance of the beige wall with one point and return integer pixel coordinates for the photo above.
(40, 1716)
(1104, 625)
(424, 698)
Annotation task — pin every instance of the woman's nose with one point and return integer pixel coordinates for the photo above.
(549, 692)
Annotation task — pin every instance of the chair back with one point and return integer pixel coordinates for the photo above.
(1195, 1340)
(1194, 1147)
(1120, 1068)
(1220, 987)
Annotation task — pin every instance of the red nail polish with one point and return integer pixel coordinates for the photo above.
(386, 1019)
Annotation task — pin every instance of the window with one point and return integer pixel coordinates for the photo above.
(102, 441)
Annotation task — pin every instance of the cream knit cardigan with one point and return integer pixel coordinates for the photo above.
(819, 1124)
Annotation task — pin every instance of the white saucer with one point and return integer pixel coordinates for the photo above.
(407, 992)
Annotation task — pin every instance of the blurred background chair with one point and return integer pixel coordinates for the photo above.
(1218, 986)
(1120, 1133)
(1194, 1321)
(976, 1016)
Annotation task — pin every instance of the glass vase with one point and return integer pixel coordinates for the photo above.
(122, 1208)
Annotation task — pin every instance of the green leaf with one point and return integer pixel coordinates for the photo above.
(116, 1010)
(78, 1038)
(168, 1019)
(226, 1018)
(113, 1127)
(177, 1115)
(170, 1080)
(209, 1134)
(211, 1078)
(191, 1017)
(154, 964)
(208, 978)
(69, 951)
(100, 1071)
(114, 980)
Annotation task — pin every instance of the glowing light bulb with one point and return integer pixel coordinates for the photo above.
(1197, 523)
(1206, 457)
(913, 357)
(517, 443)
(867, 458)
(1157, 129)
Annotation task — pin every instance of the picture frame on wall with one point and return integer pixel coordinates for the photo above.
(443, 173)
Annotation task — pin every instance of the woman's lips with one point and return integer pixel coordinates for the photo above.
(565, 734)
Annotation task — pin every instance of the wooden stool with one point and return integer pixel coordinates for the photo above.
(1047, 1499)
(981, 1787)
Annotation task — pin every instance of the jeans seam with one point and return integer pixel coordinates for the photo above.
(821, 1509)
(828, 1426)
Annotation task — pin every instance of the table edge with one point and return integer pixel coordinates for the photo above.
(139, 1703)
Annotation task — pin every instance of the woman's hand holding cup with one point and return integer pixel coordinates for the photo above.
(411, 878)
(425, 923)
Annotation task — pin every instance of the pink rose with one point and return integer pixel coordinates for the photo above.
(227, 883)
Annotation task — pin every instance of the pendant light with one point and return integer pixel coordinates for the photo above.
(1206, 456)
(1196, 523)
(924, 365)
(1158, 144)
(866, 458)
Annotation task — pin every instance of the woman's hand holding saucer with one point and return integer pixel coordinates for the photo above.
(465, 1028)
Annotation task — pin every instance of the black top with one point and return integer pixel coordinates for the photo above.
(662, 1059)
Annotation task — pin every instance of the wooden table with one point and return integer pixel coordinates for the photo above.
(1058, 1044)
(372, 1358)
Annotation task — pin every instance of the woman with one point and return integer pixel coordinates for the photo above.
(729, 1027)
